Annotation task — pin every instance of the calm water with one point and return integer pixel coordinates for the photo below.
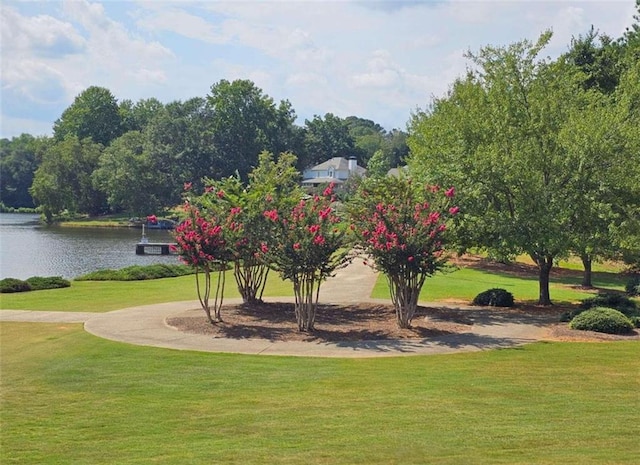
(28, 248)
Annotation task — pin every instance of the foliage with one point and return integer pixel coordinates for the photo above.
(9, 285)
(94, 113)
(602, 320)
(531, 152)
(19, 159)
(495, 297)
(305, 247)
(63, 181)
(38, 283)
(245, 122)
(616, 301)
(34, 283)
(402, 226)
(632, 287)
(272, 183)
(137, 273)
(202, 244)
(326, 138)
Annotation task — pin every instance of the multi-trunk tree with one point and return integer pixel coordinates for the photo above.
(509, 136)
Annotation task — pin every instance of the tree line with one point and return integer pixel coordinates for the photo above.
(109, 156)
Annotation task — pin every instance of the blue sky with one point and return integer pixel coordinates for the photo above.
(378, 60)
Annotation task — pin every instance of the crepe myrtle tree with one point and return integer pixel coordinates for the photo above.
(202, 243)
(402, 227)
(306, 246)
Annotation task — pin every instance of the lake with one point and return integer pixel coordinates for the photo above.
(28, 248)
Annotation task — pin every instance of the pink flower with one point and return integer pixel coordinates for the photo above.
(454, 210)
(269, 198)
(208, 189)
(450, 192)
(271, 214)
(410, 258)
(220, 193)
(314, 228)
(264, 248)
(235, 210)
(318, 240)
(187, 186)
(329, 190)
(296, 246)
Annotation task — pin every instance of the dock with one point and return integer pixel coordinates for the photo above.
(155, 248)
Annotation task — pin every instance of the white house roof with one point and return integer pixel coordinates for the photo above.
(337, 163)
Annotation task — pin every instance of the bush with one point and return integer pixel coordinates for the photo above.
(137, 273)
(602, 320)
(616, 301)
(635, 320)
(494, 298)
(39, 283)
(8, 285)
(633, 285)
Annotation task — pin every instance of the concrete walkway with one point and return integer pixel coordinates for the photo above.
(145, 325)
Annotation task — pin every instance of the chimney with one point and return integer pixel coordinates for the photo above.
(353, 163)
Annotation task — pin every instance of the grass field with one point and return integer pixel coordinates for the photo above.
(69, 397)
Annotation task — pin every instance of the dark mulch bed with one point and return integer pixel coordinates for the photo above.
(362, 322)
(277, 322)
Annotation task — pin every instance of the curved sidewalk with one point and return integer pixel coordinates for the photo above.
(145, 325)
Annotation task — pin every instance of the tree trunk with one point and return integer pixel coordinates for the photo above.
(306, 288)
(586, 275)
(251, 279)
(545, 264)
(405, 291)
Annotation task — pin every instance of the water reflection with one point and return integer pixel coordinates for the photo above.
(28, 248)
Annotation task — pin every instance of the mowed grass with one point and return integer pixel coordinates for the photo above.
(69, 397)
(102, 296)
(465, 283)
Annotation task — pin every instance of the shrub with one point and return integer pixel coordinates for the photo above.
(137, 272)
(602, 320)
(8, 285)
(39, 283)
(494, 298)
(635, 320)
(619, 302)
(633, 285)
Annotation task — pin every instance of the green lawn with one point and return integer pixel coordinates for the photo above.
(466, 283)
(102, 296)
(69, 397)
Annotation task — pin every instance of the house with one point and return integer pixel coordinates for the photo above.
(335, 170)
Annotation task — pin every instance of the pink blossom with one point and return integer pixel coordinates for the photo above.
(264, 248)
(269, 198)
(271, 214)
(220, 193)
(318, 240)
(187, 186)
(235, 210)
(410, 258)
(208, 189)
(329, 190)
(454, 210)
(314, 228)
(450, 192)
(296, 246)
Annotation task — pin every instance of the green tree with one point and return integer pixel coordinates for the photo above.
(19, 159)
(379, 164)
(136, 117)
(496, 136)
(127, 175)
(245, 122)
(94, 113)
(326, 138)
(63, 179)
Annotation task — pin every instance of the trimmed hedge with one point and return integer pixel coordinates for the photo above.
(138, 273)
(8, 285)
(494, 298)
(619, 302)
(39, 283)
(602, 320)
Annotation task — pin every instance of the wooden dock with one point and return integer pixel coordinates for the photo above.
(155, 248)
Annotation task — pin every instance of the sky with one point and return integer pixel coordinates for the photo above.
(379, 60)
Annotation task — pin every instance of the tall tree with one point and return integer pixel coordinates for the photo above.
(245, 122)
(94, 113)
(19, 159)
(127, 174)
(63, 179)
(326, 138)
(496, 136)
